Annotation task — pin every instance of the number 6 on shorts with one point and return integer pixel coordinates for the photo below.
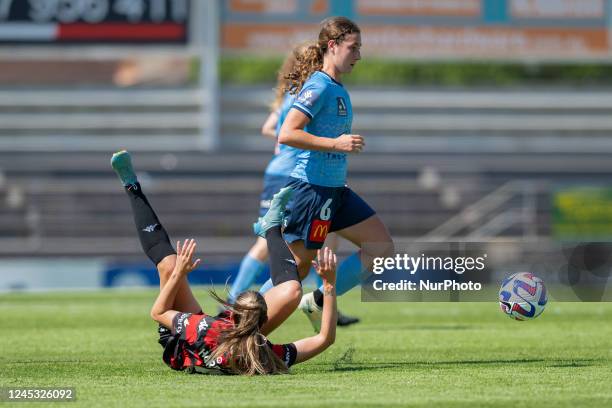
(325, 213)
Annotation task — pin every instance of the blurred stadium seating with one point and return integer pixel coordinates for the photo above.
(430, 155)
(467, 163)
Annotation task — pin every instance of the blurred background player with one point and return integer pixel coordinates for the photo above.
(319, 123)
(234, 341)
(276, 177)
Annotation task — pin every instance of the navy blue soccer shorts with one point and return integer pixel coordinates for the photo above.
(271, 185)
(314, 211)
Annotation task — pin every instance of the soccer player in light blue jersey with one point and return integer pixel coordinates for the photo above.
(319, 123)
(276, 176)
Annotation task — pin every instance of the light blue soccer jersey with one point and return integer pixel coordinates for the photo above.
(284, 161)
(327, 104)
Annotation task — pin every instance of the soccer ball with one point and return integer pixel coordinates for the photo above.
(522, 296)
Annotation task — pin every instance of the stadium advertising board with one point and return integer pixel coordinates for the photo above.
(438, 29)
(590, 9)
(418, 7)
(94, 21)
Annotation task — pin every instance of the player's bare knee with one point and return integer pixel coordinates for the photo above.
(292, 292)
(166, 266)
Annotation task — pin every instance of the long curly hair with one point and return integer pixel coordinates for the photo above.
(284, 75)
(246, 349)
(311, 58)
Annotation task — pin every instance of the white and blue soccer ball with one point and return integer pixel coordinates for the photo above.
(523, 296)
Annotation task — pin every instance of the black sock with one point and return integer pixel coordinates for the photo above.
(318, 297)
(283, 267)
(153, 237)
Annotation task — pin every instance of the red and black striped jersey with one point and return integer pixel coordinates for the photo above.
(195, 337)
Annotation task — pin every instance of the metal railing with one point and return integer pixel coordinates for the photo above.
(492, 214)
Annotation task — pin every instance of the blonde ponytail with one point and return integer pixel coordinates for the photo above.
(246, 349)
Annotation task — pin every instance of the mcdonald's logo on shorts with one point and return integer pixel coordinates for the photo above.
(319, 230)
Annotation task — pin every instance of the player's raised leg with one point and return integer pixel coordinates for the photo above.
(151, 233)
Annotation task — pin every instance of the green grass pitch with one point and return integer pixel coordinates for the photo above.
(402, 354)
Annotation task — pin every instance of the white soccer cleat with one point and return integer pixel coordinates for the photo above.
(311, 310)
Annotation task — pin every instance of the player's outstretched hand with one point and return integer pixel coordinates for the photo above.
(325, 265)
(184, 257)
(349, 144)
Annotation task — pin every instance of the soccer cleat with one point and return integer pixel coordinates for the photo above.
(274, 216)
(122, 164)
(344, 320)
(311, 310)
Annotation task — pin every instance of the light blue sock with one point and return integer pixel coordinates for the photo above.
(348, 274)
(266, 286)
(250, 268)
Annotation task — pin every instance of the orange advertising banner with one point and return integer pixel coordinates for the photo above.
(556, 9)
(266, 38)
(263, 6)
(486, 42)
(399, 41)
(419, 7)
